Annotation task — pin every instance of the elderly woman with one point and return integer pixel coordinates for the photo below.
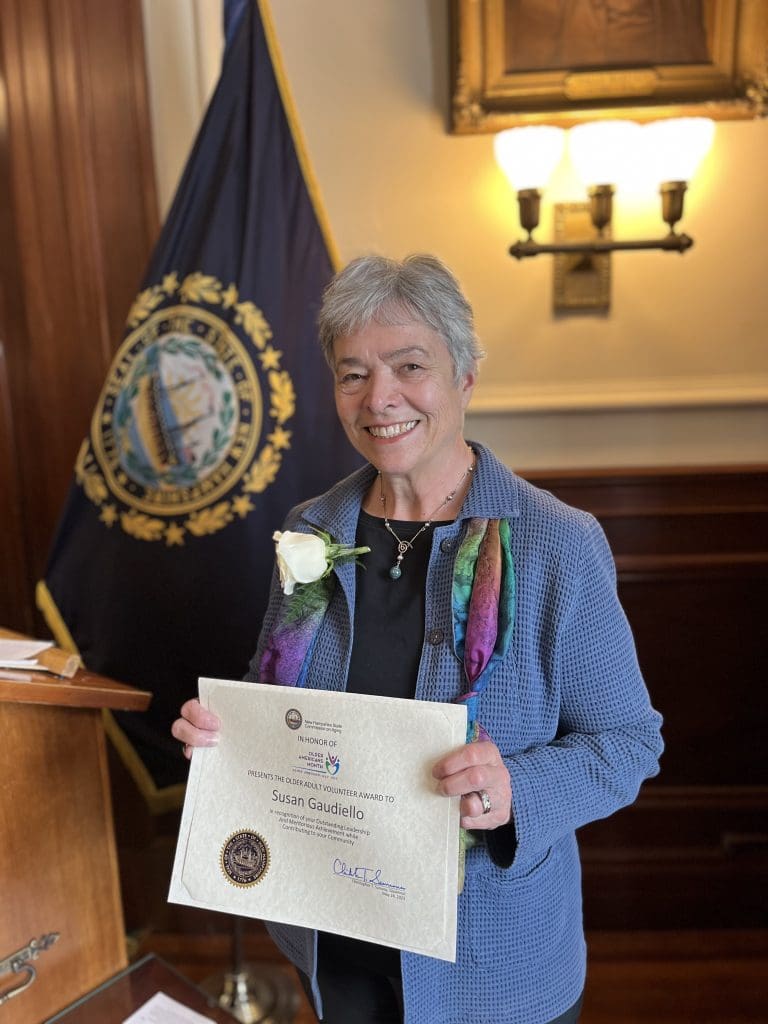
(565, 730)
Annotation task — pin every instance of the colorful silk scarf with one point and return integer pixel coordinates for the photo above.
(483, 609)
(483, 618)
(285, 657)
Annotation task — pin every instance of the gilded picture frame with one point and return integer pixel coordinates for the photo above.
(507, 70)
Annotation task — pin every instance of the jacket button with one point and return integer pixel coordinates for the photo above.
(446, 545)
(435, 637)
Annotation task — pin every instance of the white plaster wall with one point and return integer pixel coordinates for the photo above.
(676, 373)
(183, 41)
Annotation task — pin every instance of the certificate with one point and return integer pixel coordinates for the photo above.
(319, 809)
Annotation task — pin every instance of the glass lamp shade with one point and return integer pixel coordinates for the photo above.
(603, 151)
(677, 146)
(529, 155)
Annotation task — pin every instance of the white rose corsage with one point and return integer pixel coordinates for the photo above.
(305, 559)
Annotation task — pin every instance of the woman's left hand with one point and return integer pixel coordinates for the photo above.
(470, 771)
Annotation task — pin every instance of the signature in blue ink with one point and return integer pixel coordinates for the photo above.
(362, 874)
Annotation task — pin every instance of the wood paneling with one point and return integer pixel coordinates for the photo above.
(14, 604)
(691, 549)
(75, 163)
(716, 977)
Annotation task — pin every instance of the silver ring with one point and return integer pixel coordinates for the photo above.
(485, 800)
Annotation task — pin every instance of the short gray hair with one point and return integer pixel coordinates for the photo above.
(420, 288)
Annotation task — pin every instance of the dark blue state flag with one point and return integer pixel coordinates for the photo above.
(216, 417)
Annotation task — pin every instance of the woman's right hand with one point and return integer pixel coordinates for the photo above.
(196, 727)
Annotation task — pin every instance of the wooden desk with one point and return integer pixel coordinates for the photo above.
(122, 995)
(58, 863)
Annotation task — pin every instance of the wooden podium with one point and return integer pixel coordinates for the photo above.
(61, 909)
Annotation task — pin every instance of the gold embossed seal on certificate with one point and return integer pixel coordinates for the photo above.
(245, 858)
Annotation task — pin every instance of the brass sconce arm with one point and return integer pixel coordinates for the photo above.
(671, 242)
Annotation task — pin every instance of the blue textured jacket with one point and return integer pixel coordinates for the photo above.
(570, 714)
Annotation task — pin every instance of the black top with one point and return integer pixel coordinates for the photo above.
(389, 614)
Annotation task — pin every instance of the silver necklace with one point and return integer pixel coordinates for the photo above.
(403, 546)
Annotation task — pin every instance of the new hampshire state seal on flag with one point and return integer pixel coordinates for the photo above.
(174, 445)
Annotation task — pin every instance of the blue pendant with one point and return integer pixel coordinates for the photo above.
(395, 572)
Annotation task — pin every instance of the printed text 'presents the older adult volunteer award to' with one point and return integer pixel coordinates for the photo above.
(319, 809)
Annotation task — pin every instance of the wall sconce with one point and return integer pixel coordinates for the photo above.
(601, 152)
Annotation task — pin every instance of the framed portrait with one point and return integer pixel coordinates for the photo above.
(565, 61)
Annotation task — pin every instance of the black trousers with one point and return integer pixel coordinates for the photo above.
(357, 996)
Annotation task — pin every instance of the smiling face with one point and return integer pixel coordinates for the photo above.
(398, 402)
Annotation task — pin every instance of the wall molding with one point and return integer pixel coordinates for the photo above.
(620, 395)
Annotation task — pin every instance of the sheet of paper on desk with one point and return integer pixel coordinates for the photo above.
(319, 809)
(13, 653)
(16, 676)
(161, 1009)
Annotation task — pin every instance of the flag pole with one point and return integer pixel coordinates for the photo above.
(253, 994)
